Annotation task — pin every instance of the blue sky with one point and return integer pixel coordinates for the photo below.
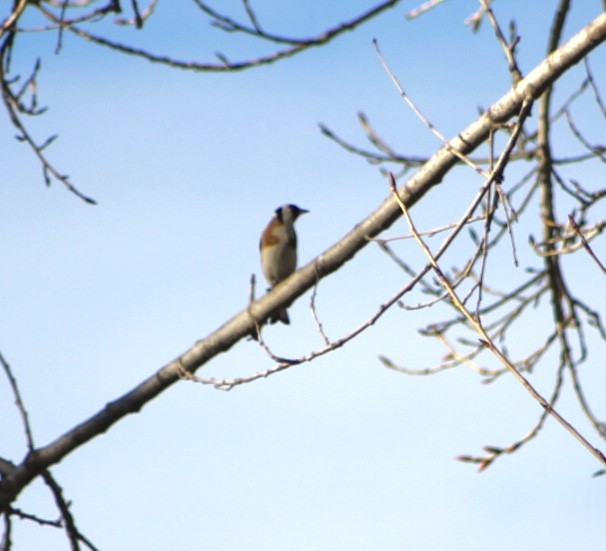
(187, 168)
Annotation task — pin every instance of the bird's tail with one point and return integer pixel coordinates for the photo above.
(279, 315)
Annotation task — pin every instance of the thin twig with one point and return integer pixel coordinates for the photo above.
(422, 117)
(18, 402)
(585, 243)
(508, 49)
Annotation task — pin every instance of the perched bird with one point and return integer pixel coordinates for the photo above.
(279, 250)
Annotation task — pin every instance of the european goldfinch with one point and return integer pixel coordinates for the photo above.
(279, 250)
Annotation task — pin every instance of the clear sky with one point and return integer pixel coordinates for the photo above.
(338, 454)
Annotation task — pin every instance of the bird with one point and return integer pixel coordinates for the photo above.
(278, 247)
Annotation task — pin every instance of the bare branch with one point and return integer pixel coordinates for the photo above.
(14, 106)
(486, 340)
(295, 45)
(508, 48)
(585, 243)
(19, 403)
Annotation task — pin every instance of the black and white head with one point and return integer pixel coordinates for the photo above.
(287, 214)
